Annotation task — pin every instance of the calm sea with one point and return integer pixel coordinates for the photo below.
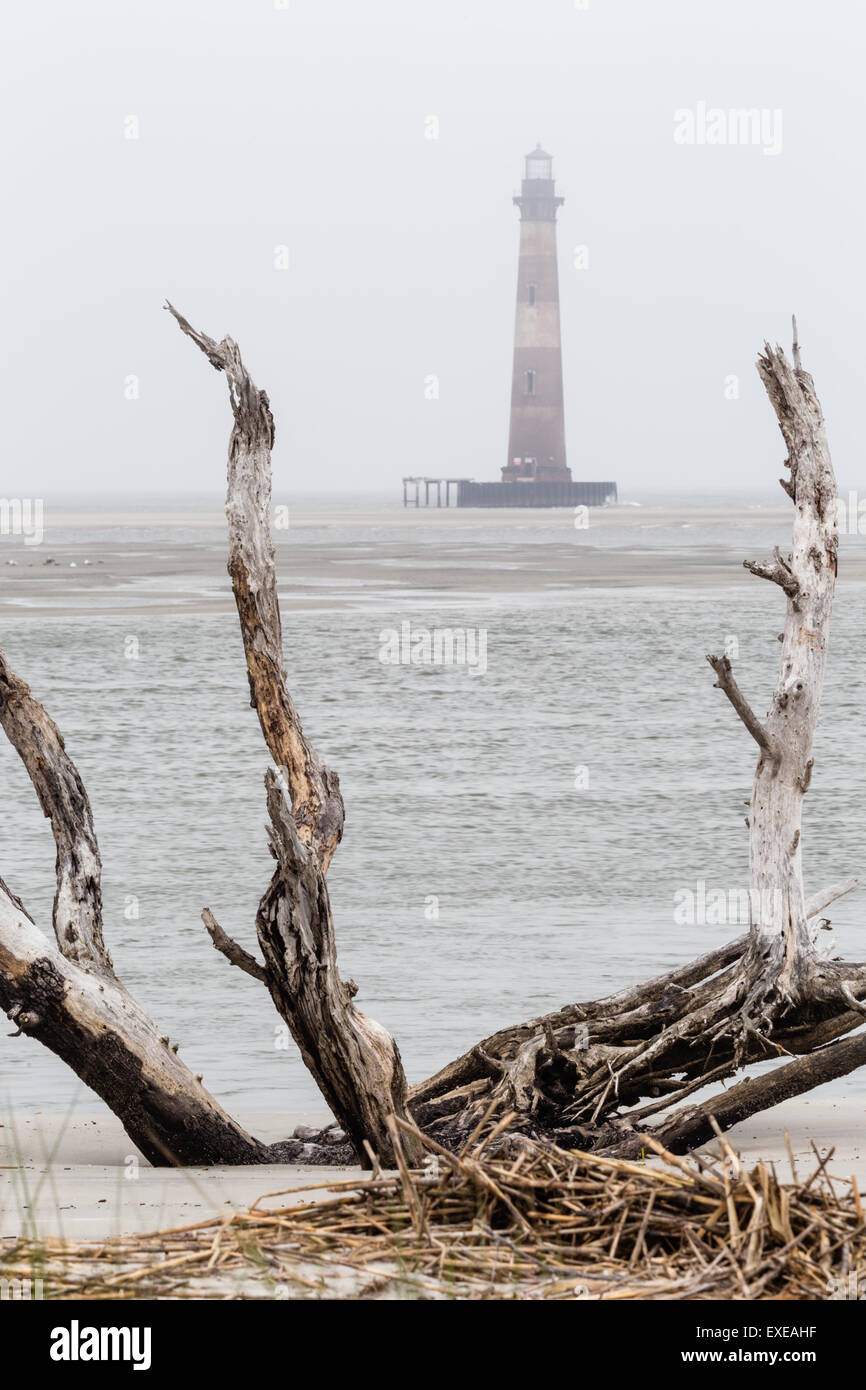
(514, 839)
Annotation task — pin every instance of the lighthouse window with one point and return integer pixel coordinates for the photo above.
(538, 167)
(532, 294)
(530, 383)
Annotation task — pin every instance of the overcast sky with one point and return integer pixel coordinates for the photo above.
(306, 126)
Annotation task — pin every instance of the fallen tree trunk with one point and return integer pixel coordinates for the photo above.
(687, 1131)
(69, 997)
(90, 1021)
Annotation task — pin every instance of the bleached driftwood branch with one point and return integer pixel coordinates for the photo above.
(36, 739)
(727, 683)
(317, 806)
(233, 952)
(355, 1061)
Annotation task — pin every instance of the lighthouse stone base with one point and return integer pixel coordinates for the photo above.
(535, 494)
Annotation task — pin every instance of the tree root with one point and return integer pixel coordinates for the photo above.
(588, 1097)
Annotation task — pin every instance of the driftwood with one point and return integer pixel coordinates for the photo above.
(354, 1061)
(68, 995)
(548, 1224)
(581, 1073)
(588, 1076)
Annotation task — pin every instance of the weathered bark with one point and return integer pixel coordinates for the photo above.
(234, 954)
(98, 1029)
(354, 1061)
(781, 950)
(693, 1127)
(77, 914)
(317, 806)
(487, 1057)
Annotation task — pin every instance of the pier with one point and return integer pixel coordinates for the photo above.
(438, 483)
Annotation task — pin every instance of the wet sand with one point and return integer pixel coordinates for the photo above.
(130, 563)
(81, 1178)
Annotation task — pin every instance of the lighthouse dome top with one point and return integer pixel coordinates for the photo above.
(539, 164)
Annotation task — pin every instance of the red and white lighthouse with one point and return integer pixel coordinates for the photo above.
(536, 442)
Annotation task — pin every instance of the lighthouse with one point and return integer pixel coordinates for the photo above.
(536, 440)
(536, 473)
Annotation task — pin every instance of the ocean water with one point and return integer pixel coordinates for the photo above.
(514, 840)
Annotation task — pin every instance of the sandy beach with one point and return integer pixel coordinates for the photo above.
(82, 1179)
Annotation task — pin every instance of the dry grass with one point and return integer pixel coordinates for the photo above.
(542, 1224)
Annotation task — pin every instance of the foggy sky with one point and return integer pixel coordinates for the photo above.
(305, 126)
